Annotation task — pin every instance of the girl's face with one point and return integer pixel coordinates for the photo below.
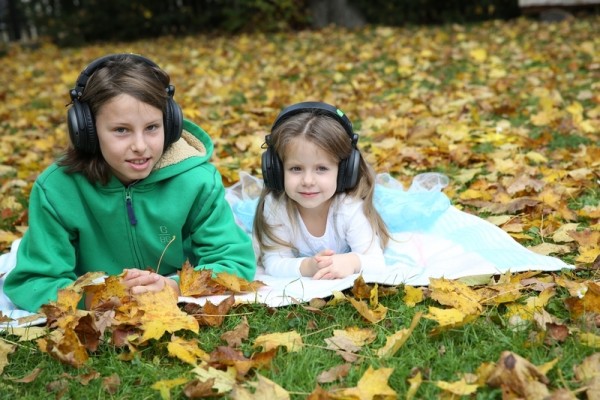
(131, 136)
(310, 175)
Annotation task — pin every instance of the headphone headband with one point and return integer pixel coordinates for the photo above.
(98, 63)
(348, 169)
(81, 121)
(317, 107)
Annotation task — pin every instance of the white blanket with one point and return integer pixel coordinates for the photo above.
(455, 245)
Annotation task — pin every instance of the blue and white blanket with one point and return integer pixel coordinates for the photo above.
(431, 239)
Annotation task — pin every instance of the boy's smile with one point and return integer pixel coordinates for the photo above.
(131, 136)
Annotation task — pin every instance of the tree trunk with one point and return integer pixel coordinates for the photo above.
(336, 12)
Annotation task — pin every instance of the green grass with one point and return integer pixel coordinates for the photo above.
(442, 357)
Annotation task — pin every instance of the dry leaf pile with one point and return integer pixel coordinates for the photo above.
(510, 111)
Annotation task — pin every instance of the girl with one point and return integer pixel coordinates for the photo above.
(135, 189)
(315, 216)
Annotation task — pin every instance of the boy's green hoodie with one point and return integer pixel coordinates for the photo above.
(177, 213)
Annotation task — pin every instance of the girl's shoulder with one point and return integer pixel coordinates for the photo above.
(274, 205)
(347, 205)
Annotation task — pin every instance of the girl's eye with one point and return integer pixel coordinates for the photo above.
(295, 169)
(121, 130)
(152, 127)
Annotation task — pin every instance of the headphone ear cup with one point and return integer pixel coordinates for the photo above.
(173, 122)
(348, 172)
(272, 170)
(82, 129)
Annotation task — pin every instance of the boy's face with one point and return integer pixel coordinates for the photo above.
(309, 176)
(131, 136)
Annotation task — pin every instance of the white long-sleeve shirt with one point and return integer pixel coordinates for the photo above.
(347, 230)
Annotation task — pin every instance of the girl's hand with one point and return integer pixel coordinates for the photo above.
(337, 266)
(311, 265)
(140, 281)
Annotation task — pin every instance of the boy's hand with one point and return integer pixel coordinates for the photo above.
(140, 281)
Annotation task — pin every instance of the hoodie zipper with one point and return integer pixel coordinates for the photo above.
(129, 205)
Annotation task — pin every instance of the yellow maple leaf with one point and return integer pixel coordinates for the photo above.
(412, 295)
(449, 318)
(291, 340)
(223, 382)
(478, 54)
(196, 283)
(397, 340)
(372, 385)
(459, 388)
(264, 388)
(165, 386)
(6, 348)
(161, 314)
(372, 315)
(415, 382)
(64, 345)
(588, 255)
(517, 313)
(455, 294)
(186, 350)
(500, 293)
(237, 284)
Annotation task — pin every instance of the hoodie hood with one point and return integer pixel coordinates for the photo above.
(194, 142)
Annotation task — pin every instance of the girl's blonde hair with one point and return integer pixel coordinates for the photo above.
(329, 135)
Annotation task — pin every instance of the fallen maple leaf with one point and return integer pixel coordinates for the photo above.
(165, 386)
(347, 342)
(32, 376)
(519, 377)
(213, 315)
(186, 350)
(458, 388)
(236, 284)
(196, 283)
(291, 340)
(263, 389)
(160, 314)
(455, 294)
(64, 345)
(590, 303)
(588, 373)
(6, 348)
(372, 315)
(589, 339)
(397, 340)
(223, 381)
(415, 382)
(413, 295)
(372, 385)
(240, 332)
(335, 373)
(449, 318)
(223, 357)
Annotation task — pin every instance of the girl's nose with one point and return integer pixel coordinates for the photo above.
(138, 143)
(307, 178)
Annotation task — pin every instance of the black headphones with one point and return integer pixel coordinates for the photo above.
(81, 122)
(348, 169)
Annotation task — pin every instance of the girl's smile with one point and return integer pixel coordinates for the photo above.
(310, 176)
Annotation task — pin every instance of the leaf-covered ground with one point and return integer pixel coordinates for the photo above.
(510, 111)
